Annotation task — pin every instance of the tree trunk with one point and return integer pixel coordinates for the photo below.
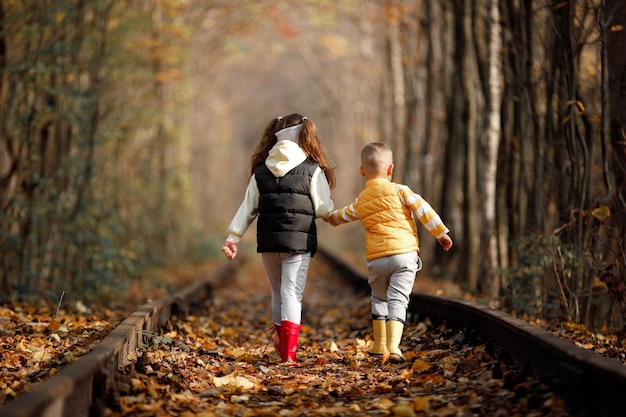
(474, 103)
(491, 148)
(616, 51)
(398, 109)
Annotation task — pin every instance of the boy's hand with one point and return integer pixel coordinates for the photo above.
(230, 249)
(446, 242)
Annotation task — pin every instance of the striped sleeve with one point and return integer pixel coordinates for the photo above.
(422, 211)
(345, 215)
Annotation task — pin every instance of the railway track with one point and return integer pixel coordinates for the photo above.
(203, 352)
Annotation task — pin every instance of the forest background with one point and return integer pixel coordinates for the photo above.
(126, 128)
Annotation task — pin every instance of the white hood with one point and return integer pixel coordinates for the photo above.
(283, 157)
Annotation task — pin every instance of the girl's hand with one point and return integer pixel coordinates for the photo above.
(230, 249)
(446, 242)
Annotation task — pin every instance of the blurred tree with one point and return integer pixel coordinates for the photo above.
(491, 231)
(612, 211)
(520, 142)
(51, 61)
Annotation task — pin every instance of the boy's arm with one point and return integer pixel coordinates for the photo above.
(344, 215)
(446, 242)
(425, 214)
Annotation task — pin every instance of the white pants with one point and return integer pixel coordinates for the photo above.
(391, 280)
(287, 275)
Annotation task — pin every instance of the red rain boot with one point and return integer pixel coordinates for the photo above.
(289, 333)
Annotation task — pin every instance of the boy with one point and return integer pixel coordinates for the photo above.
(387, 211)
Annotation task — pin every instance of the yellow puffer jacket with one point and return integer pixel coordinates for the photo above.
(389, 225)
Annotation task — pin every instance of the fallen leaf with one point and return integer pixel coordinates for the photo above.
(54, 325)
(233, 380)
(421, 404)
(403, 410)
(420, 366)
(332, 346)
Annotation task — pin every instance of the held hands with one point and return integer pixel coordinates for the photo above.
(230, 249)
(446, 242)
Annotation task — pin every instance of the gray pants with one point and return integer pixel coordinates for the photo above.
(391, 280)
(287, 275)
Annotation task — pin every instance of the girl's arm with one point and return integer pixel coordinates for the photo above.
(245, 215)
(320, 194)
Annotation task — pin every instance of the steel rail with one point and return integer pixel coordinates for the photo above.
(78, 389)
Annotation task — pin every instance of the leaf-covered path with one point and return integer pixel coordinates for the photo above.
(221, 362)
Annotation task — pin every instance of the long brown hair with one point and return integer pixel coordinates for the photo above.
(308, 140)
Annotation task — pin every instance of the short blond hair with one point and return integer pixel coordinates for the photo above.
(376, 156)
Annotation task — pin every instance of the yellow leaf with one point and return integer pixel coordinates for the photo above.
(420, 366)
(238, 399)
(601, 213)
(54, 325)
(617, 28)
(152, 393)
(599, 284)
(421, 403)
(137, 384)
(40, 355)
(449, 369)
(421, 328)
(132, 399)
(81, 307)
(132, 356)
(362, 344)
(183, 397)
(332, 347)
(403, 410)
(234, 380)
(383, 404)
(432, 379)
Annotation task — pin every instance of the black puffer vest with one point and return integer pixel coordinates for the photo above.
(286, 220)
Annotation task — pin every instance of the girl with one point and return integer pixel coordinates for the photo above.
(288, 188)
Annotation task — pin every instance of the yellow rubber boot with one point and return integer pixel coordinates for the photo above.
(394, 336)
(379, 331)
